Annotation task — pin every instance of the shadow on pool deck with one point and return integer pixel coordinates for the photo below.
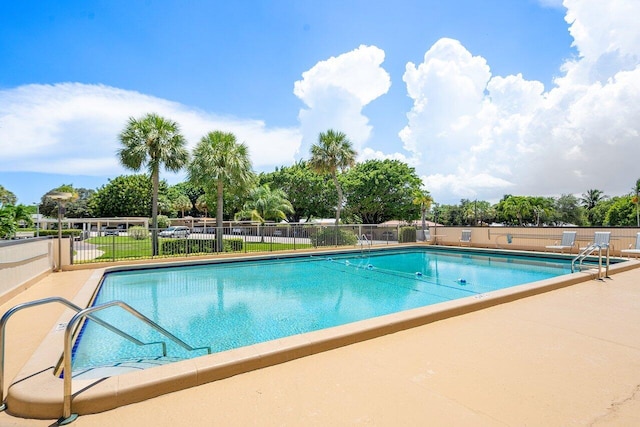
(566, 357)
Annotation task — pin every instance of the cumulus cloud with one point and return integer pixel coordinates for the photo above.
(73, 128)
(336, 90)
(480, 136)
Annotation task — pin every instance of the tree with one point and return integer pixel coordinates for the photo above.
(589, 201)
(7, 197)
(218, 162)
(621, 213)
(193, 192)
(265, 204)
(569, 210)
(49, 207)
(153, 141)
(380, 190)
(310, 194)
(332, 154)
(125, 195)
(636, 201)
(423, 199)
(10, 218)
(182, 203)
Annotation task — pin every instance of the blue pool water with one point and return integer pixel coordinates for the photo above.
(240, 303)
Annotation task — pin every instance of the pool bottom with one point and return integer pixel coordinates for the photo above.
(36, 393)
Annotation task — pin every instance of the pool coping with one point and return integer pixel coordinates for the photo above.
(37, 393)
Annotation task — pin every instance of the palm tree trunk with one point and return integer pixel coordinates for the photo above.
(155, 179)
(219, 212)
(339, 189)
(424, 223)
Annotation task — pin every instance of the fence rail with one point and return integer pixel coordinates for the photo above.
(125, 245)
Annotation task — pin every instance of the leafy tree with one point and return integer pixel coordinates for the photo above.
(10, 217)
(621, 213)
(74, 206)
(7, 197)
(310, 194)
(193, 192)
(514, 209)
(332, 154)
(636, 201)
(182, 203)
(569, 210)
(589, 201)
(265, 204)
(218, 162)
(381, 190)
(423, 199)
(125, 195)
(154, 142)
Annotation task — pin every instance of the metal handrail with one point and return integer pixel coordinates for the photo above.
(6, 316)
(67, 415)
(364, 237)
(588, 251)
(69, 331)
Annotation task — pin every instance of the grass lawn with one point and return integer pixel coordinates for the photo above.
(123, 247)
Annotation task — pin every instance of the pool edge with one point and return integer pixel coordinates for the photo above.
(35, 393)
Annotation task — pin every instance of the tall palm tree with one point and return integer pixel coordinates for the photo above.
(219, 161)
(423, 199)
(332, 154)
(153, 141)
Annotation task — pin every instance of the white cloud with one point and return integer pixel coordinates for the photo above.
(335, 92)
(73, 128)
(479, 135)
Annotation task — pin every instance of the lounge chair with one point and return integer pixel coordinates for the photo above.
(633, 250)
(465, 238)
(568, 241)
(600, 238)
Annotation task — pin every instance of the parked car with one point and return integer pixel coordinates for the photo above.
(176, 231)
(237, 231)
(111, 231)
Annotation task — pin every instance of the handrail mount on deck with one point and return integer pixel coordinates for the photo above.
(67, 415)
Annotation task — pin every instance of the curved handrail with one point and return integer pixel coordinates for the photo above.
(7, 315)
(67, 416)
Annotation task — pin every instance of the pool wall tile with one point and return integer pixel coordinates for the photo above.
(37, 393)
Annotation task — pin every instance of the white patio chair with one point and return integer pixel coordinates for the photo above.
(568, 241)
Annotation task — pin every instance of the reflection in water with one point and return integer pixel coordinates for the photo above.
(240, 303)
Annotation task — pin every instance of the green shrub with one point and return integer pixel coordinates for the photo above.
(232, 245)
(163, 221)
(198, 246)
(407, 235)
(332, 236)
(65, 233)
(138, 233)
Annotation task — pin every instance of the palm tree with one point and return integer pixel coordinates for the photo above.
(423, 199)
(265, 204)
(591, 198)
(636, 199)
(219, 161)
(182, 203)
(153, 141)
(332, 153)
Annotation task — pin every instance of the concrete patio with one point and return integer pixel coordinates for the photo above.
(566, 357)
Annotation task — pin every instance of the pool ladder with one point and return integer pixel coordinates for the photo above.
(364, 240)
(576, 263)
(69, 333)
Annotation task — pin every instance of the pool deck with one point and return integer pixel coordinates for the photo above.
(566, 357)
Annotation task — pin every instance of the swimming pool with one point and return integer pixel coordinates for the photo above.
(235, 304)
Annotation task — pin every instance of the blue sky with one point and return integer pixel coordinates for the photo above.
(482, 98)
